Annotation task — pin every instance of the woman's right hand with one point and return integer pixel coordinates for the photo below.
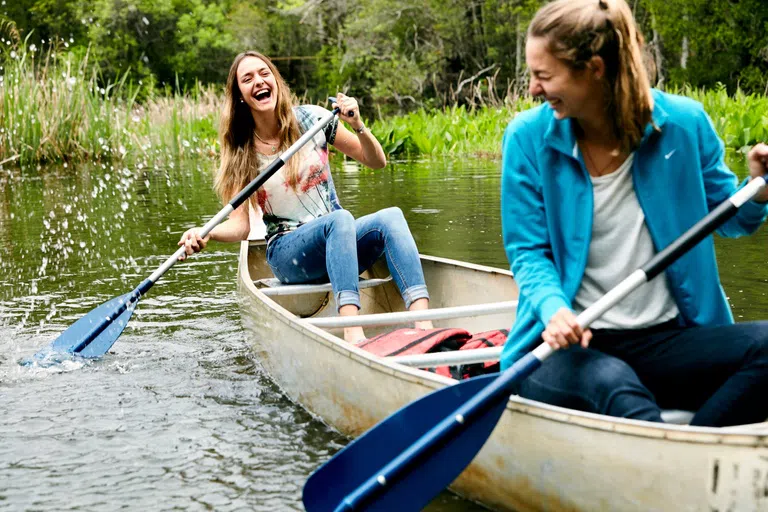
(192, 242)
(563, 330)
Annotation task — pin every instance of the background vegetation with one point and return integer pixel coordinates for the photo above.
(395, 54)
(141, 79)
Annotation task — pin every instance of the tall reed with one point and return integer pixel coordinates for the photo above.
(55, 106)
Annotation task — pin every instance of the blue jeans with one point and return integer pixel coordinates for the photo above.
(338, 248)
(721, 372)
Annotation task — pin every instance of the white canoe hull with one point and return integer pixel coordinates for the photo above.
(539, 457)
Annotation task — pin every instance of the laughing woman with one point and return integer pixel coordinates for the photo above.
(595, 181)
(310, 237)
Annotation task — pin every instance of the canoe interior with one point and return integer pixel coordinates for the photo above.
(448, 284)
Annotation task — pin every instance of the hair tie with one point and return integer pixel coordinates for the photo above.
(603, 4)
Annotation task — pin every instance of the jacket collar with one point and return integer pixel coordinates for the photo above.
(560, 134)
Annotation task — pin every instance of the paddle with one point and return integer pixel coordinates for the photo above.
(404, 461)
(93, 334)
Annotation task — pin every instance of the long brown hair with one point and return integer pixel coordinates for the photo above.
(239, 158)
(577, 30)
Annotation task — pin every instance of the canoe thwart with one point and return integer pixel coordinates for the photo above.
(677, 417)
(402, 317)
(456, 358)
(273, 287)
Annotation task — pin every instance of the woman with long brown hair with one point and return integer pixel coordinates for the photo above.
(595, 181)
(310, 237)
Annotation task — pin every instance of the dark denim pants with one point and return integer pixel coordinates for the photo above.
(719, 372)
(338, 248)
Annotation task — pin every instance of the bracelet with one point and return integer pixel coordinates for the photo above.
(360, 130)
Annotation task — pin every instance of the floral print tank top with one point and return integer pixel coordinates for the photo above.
(285, 209)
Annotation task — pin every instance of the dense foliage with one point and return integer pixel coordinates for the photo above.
(394, 54)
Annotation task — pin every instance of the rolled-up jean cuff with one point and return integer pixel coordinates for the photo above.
(346, 297)
(414, 293)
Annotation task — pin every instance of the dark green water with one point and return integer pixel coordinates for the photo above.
(180, 414)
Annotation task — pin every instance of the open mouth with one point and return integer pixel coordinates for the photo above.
(263, 95)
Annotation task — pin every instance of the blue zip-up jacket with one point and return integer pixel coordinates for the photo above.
(679, 175)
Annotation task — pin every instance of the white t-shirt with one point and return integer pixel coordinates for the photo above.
(621, 243)
(256, 218)
(282, 208)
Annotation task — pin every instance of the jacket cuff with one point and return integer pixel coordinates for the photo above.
(550, 306)
(752, 210)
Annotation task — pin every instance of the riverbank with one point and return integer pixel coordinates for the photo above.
(54, 108)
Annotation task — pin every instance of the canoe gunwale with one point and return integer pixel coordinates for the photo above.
(738, 436)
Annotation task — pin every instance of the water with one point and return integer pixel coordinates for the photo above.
(180, 415)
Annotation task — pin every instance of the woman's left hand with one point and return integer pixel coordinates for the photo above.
(757, 159)
(349, 110)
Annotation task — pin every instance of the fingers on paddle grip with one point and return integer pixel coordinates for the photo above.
(333, 100)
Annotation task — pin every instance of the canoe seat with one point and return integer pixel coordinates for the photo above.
(273, 287)
(401, 317)
(677, 417)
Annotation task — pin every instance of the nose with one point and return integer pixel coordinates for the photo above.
(534, 87)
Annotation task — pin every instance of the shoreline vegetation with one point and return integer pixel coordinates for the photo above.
(55, 107)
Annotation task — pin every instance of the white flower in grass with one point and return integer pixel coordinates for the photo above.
(13, 54)
(32, 48)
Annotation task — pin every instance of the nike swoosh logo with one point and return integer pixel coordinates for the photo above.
(668, 155)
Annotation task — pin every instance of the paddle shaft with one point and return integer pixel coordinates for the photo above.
(502, 387)
(249, 189)
(238, 200)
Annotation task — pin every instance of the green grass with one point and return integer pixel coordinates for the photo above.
(741, 120)
(56, 107)
(454, 130)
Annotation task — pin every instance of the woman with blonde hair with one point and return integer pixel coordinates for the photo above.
(310, 237)
(595, 181)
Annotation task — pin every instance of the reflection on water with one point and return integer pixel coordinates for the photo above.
(180, 415)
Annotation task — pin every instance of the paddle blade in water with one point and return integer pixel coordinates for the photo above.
(365, 456)
(97, 331)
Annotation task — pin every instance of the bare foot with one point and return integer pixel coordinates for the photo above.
(354, 334)
(421, 305)
(351, 334)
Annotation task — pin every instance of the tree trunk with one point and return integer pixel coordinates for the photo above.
(684, 50)
(657, 57)
(518, 50)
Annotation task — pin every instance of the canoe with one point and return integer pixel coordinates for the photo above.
(540, 457)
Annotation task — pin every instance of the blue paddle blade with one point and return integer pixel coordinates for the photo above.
(364, 457)
(97, 331)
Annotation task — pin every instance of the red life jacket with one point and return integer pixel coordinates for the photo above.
(403, 342)
(420, 341)
(495, 338)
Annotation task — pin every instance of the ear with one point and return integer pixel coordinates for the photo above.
(596, 64)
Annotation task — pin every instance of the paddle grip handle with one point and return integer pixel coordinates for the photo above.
(334, 100)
